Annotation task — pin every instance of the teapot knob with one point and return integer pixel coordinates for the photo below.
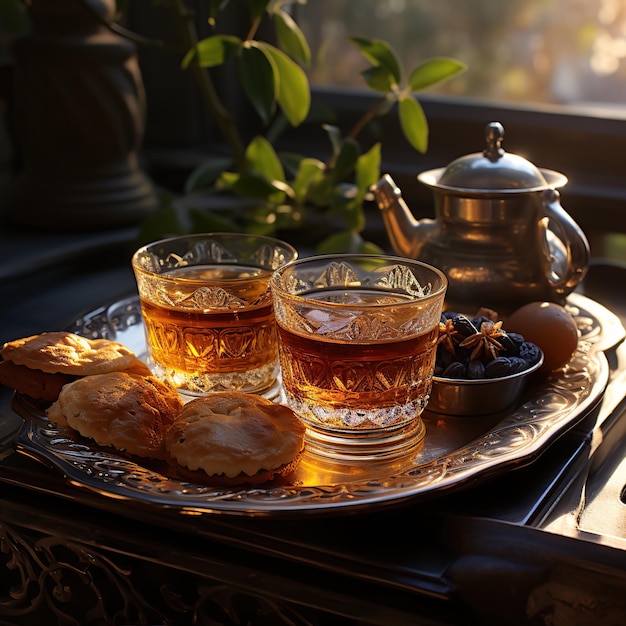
(494, 134)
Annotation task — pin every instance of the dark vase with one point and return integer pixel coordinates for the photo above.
(79, 115)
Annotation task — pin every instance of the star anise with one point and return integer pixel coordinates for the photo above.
(447, 335)
(485, 342)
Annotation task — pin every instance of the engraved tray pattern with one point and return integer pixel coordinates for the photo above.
(455, 449)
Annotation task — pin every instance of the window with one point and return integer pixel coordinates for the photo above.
(552, 71)
(550, 52)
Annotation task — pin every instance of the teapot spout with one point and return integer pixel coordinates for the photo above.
(406, 234)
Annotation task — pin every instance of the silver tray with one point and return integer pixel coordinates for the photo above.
(457, 451)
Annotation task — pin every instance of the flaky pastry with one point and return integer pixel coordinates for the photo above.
(33, 383)
(126, 411)
(39, 366)
(236, 437)
(68, 353)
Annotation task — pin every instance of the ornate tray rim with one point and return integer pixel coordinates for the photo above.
(525, 432)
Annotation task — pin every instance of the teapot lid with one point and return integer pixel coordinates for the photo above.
(493, 169)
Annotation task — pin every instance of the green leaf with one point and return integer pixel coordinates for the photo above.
(213, 51)
(413, 122)
(368, 247)
(265, 218)
(257, 8)
(347, 241)
(165, 221)
(378, 78)
(379, 52)
(265, 178)
(345, 205)
(290, 38)
(227, 180)
(310, 172)
(321, 193)
(262, 159)
(346, 160)
(253, 185)
(209, 222)
(434, 71)
(334, 135)
(337, 243)
(259, 80)
(368, 170)
(294, 94)
(206, 174)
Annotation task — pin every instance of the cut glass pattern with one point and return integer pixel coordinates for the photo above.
(337, 275)
(401, 278)
(373, 317)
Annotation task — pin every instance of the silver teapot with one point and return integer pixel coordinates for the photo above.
(500, 233)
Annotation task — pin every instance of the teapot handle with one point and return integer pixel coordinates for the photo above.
(566, 239)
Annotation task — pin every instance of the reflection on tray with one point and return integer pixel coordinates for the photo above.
(455, 448)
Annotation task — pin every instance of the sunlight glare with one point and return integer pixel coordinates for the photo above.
(607, 53)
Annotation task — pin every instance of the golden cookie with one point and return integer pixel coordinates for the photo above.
(69, 353)
(33, 383)
(241, 437)
(126, 411)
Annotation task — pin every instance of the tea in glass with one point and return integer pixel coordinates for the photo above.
(357, 339)
(208, 311)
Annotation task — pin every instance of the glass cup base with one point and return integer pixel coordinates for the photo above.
(367, 445)
(261, 381)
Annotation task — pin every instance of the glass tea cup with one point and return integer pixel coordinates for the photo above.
(207, 310)
(357, 342)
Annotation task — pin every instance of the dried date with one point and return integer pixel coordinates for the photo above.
(478, 347)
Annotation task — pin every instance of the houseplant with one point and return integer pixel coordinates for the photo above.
(286, 191)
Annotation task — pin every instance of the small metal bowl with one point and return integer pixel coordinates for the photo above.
(460, 396)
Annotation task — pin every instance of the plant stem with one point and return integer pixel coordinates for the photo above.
(223, 118)
(366, 118)
(253, 29)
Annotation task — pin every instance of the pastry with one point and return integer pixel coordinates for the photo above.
(33, 383)
(235, 438)
(39, 366)
(127, 411)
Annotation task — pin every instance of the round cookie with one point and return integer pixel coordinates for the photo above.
(127, 411)
(235, 438)
(39, 366)
(33, 383)
(68, 353)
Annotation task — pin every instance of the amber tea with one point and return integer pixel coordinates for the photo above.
(357, 342)
(364, 384)
(215, 348)
(210, 325)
